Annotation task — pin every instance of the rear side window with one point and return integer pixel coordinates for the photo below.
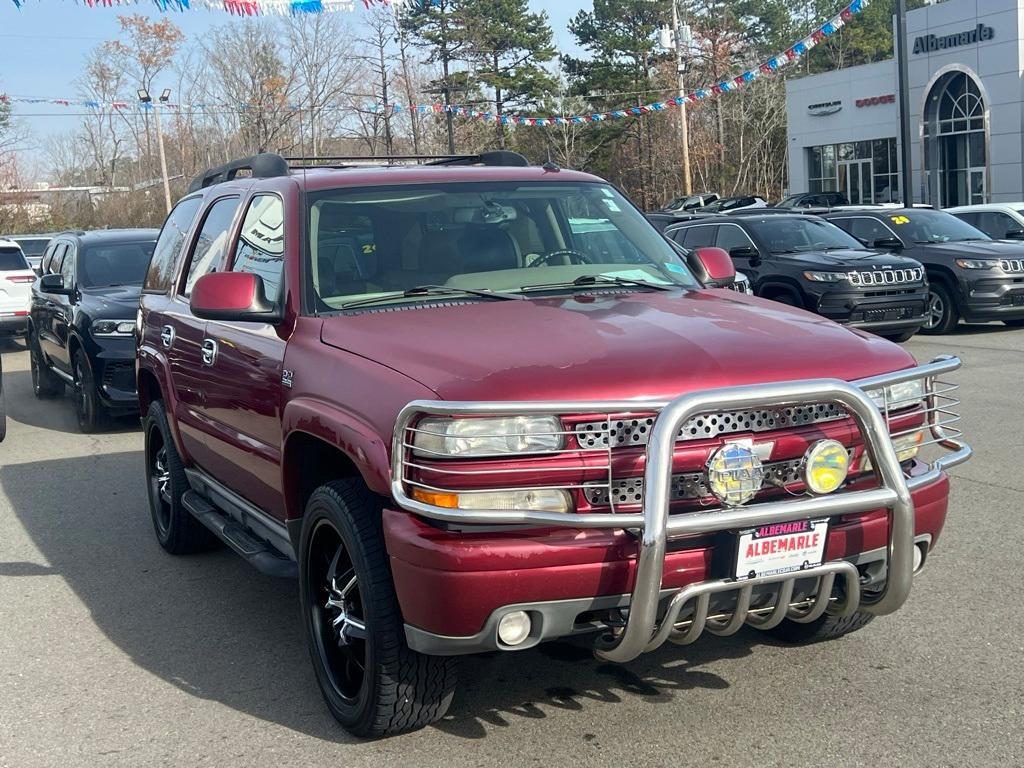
(730, 236)
(169, 245)
(11, 259)
(698, 237)
(212, 242)
(261, 243)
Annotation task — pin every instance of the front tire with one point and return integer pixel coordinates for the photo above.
(899, 338)
(824, 628)
(88, 409)
(942, 313)
(373, 684)
(176, 529)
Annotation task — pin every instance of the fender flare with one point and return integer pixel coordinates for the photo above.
(351, 435)
(149, 359)
(785, 283)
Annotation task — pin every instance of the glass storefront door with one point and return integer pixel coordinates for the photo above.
(855, 181)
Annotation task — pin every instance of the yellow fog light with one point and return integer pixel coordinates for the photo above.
(826, 465)
(735, 474)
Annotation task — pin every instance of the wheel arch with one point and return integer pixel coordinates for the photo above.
(944, 276)
(775, 286)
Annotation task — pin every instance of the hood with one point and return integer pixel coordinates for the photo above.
(851, 257)
(610, 345)
(993, 249)
(112, 303)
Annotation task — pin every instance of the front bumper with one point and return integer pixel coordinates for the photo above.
(453, 588)
(113, 362)
(883, 309)
(13, 324)
(994, 298)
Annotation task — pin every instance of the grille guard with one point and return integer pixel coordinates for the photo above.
(654, 526)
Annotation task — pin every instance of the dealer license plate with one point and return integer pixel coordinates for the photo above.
(780, 548)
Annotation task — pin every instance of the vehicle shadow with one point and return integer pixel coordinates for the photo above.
(58, 414)
(212, 626)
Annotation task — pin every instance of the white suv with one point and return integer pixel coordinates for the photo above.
(16, 278)
(1000, 221)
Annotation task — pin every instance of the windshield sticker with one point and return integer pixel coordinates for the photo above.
(671, 266)
(612, 206)
(899, 219)
(634, 274)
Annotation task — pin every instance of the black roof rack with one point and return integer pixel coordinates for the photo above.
(495, 158)
(264, 166)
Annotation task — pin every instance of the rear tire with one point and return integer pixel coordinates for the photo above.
(825, 628)
(176, 529)
(45, 384)
(943, 315)
(373, 684)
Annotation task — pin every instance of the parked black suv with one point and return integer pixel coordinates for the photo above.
(82, 320)
(806, 262)
(814, 200)
(970, 275)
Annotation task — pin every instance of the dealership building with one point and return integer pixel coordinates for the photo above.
(966, 70)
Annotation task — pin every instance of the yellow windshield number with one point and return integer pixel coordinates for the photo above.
(900, 219)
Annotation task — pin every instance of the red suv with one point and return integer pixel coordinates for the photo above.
(474, 405)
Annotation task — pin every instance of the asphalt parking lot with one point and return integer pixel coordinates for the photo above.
(114, 653)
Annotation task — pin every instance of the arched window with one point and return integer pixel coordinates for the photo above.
(955, 141)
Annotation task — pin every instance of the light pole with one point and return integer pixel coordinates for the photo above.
(164, 97)
(681, 37)
(906, 177)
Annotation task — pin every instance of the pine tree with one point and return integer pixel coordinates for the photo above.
(507, 46)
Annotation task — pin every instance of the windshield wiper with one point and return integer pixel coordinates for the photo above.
(432, 290)
(589, 280)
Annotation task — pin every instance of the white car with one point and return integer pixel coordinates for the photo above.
(1000, 221)
(16, 278)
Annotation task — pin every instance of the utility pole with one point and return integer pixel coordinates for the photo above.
(145, 98)
(906, 180)
(684, 131)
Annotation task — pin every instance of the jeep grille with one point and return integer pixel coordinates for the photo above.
(1012, 265)
(886, 277)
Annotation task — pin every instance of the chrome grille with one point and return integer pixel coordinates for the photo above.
(687, 486)
(886, 277)
(623, 432)
(1012, 265)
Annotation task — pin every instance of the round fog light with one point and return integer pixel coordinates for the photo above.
(514, 628)
(826, 465)
(735, 474)
(918, 557)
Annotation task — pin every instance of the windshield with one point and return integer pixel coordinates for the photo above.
(11, 259)
(111, 264)
(509, 237)
(933, 227)
(795, 234)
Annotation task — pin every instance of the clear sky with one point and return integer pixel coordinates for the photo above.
(42, 46)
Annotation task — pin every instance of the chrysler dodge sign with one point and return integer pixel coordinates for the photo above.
(930, 43)
(824, 108)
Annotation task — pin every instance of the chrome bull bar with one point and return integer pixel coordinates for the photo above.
(654, 527)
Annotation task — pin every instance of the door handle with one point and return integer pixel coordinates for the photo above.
(167, 336)
(209, 351)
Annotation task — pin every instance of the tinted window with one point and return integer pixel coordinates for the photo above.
(12, 258)
(53, 265)
(866, 230)
(108, 264)
(970, 217)
(995, 224)
(261, 243)
(67, 266)
(697, 237)
(212, 241)
(32, 246)
(169, 245)
(730, 236)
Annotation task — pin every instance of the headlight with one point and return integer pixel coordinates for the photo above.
(906, 446)
(901, 395)
(528, 499)
(826, 465)
(825, 277)
(976, 264)
(442, 436)
(113, 328)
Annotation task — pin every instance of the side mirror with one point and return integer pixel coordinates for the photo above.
(54, 284)
(233, 296)
(1014, 234)
(744, 252)
(713, 267)
(889, 244)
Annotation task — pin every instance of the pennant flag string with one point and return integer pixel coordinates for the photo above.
(257, 7)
